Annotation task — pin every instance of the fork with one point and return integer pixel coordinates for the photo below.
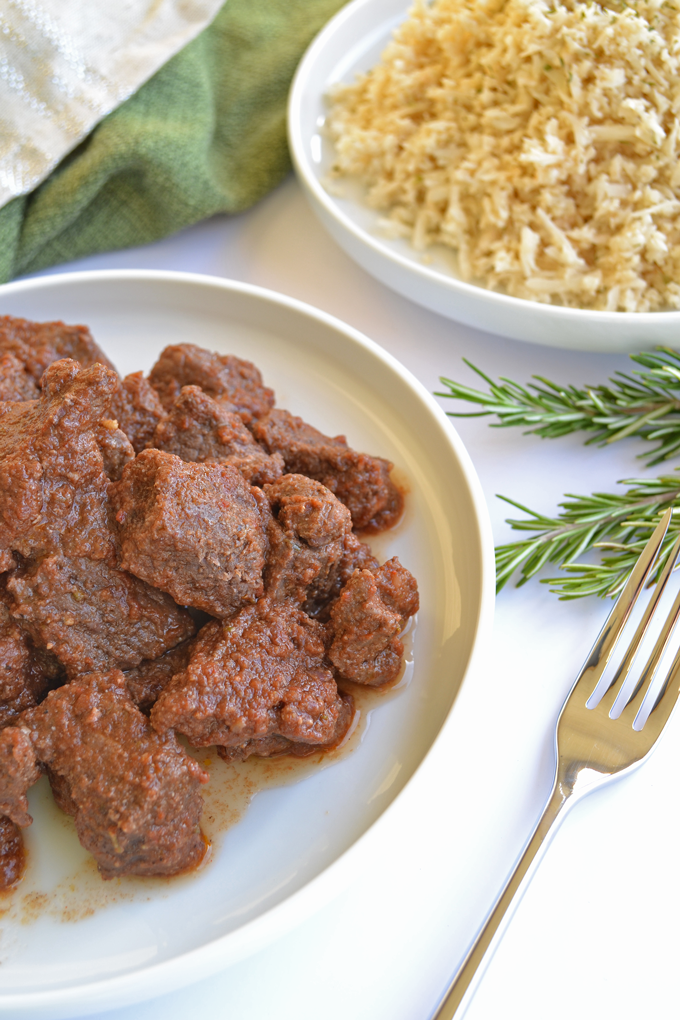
(592, 747)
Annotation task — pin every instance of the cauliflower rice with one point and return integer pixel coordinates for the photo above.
(539, 140)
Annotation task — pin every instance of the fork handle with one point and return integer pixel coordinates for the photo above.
(462, 988)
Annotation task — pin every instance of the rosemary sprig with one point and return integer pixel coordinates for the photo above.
(645, 404)
(618, 523)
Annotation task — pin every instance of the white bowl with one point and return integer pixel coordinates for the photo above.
(297, 845)
(352, 42)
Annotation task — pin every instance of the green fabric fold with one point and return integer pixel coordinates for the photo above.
(205, 135)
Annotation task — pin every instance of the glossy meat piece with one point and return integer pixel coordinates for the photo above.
(136, 407)
(26, 672)
(94, 616)
(358, 480)
(192, 530)
(366, 620)
(19, 770)
(398, 589)
(36, 345)
(200, 429)
(357, 556)
(307, 531)
(294, 569)
(12, 854)
(146, 681)
(233, 382)
(16, 383)
(273, 747)
(115, 447)
(134, 794)
(258, 675)
(53, 488)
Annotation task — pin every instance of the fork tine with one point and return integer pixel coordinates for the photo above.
(611, 694)
(631, 710)
(649, 672)
(605, 643)
(666, 701)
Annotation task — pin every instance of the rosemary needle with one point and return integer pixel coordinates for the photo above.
(644, 404)
(619, 524)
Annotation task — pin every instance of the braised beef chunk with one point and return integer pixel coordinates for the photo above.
(94, 616)
(116, 449)
(192, 530)
(19, 770)
(16, 382)
(359, 481)
(136, 407)
(366, 621)
(235, 383)
(26, 672)
(357, 556)
(134, 793)
(398, 589)
(273, 747)
(146, 681)
(12, 854)
(200, 429)
(257, 675)
(308, 510)
(307, 532)
(53, 488)
(37, 344)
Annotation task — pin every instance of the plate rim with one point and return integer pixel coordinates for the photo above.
(209, 958)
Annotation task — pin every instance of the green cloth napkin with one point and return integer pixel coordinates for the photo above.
(205, 135)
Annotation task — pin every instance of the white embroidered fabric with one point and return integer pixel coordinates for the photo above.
(65, 64)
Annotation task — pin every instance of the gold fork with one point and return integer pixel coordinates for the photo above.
(592, 748)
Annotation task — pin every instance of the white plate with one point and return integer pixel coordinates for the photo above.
(353, 42)
(71, 944)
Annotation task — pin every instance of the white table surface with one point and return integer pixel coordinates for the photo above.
(596, 935)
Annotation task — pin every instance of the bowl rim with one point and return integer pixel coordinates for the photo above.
(304, 169)
(194, 964)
